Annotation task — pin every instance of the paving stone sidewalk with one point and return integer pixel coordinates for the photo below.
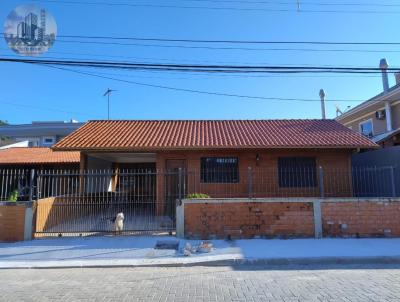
(237, 283)
(141, 251)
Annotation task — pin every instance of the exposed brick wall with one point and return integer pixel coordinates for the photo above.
(12, 222)
(248, 219)
(336, 163)
(244, 219)
(363, 219)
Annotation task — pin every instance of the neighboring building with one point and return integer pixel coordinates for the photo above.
(284, 156)
(379, 117)
(38, 158)
(16, 165)
(37, 134)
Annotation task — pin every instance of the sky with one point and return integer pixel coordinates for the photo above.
(38, 93)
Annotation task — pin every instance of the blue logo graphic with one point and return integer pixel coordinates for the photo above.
(30, 30)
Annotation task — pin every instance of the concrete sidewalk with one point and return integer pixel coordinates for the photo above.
(140, 251)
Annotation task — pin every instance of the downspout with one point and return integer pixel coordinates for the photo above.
(388, 113)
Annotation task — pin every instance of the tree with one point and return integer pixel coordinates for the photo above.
(3, 138)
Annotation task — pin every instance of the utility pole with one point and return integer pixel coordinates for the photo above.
(107, 93)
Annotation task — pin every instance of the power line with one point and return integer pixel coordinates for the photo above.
(15, 58)
(258, 9)
(195, 90)
(302, 3)
(210, 74)
(159, 59)
(229, 48)
(210, 41)
(310, 3)
(204, 68)
(228, 41)
(41, 108)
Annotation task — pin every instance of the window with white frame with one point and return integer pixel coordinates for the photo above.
(366, 128)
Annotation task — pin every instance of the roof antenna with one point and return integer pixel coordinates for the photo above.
(338, 110)
(107, 93)
(298, 5)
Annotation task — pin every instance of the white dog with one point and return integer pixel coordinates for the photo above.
(119, 223)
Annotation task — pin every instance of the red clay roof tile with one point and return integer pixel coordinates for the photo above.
(13, 156)
(212, 134)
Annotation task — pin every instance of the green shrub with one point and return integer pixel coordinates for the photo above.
(13, 196)
(197, 195)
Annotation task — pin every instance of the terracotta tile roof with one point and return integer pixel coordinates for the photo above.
(33, 156)
(212, 134)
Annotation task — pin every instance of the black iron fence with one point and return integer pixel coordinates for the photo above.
(16, 184)
(296, 182)
(77, 202)
(151, 184)
(87, 202)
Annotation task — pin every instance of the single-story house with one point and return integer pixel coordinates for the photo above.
(224, 158)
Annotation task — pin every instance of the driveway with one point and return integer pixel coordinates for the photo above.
(225, 283)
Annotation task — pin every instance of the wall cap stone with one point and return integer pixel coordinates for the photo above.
(291, 199)
(16, 203)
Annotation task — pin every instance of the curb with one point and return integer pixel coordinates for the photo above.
(228, 262)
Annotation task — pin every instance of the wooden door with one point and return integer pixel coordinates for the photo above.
(175, 182)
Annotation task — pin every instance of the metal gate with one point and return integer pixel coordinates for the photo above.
(79, 203)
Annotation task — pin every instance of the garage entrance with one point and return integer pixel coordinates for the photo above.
(80, 203)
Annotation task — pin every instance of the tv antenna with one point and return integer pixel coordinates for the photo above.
(338, 110)
(108, 93)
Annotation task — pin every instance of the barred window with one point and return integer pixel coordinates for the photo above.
(297, 172)
(219, 170)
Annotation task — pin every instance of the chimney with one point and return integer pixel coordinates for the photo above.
(397, 77)
(383, 65)
(322, 96)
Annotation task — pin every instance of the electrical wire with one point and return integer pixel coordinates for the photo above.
(2, 101)
(302, 3)
(155, 39)
(228, 41)
(195, 90)
(258, 9)
(229, 48)
(204, 68)
(201, 61)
